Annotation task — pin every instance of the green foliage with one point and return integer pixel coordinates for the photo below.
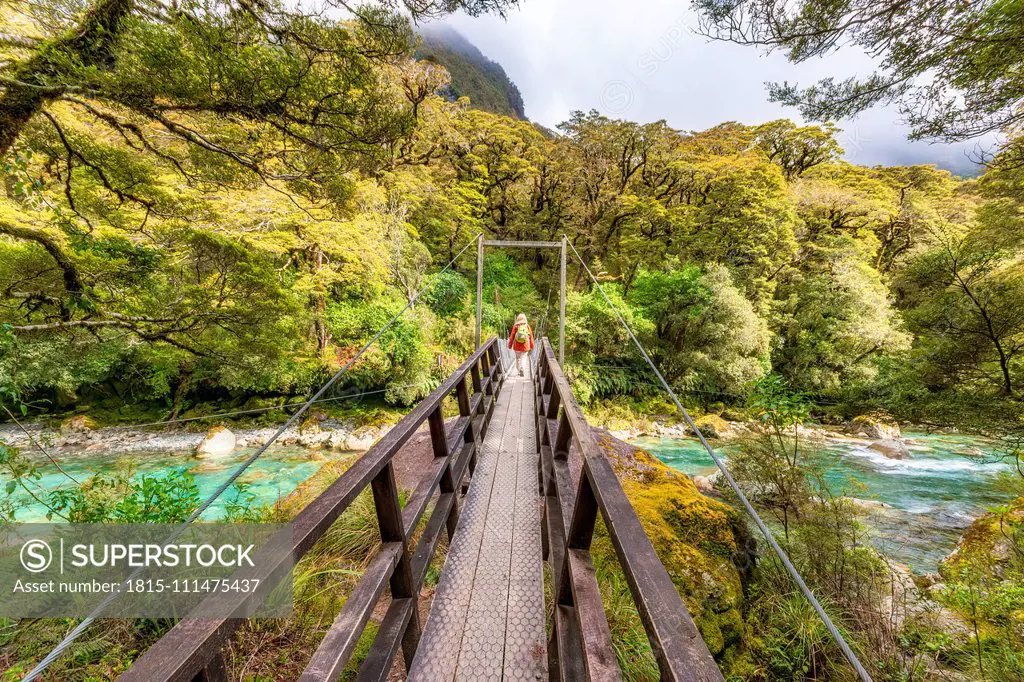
(401, 361)
(168, 498)
(797, 149)
(448, 296)
(777, 406)
(671, 299)
(791, 643)
(916, 46)
(983, 581)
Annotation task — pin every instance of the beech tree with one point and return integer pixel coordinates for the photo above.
(968, 297)
(797, 148)
(953, 68)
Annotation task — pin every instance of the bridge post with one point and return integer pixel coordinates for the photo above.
(389, 521)
(480, 286)
(561, 306)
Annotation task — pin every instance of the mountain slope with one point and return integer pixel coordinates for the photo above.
(472, 74)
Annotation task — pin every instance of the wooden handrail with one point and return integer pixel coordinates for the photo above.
(191, 650)
(580, 646)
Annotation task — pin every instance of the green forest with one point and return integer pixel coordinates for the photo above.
(210, 204)
(148, 258)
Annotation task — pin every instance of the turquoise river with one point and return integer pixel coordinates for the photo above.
(933, 496)
(270, 478)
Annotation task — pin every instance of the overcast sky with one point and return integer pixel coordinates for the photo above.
(643, 61)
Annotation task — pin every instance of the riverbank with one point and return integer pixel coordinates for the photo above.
(78, 438)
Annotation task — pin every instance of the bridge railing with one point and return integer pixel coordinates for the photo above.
(192, 649)
(581, 643)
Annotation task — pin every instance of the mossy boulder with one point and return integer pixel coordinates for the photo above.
(699, 540)
(734, 414)
(77, 424)
(713, 426)
(989, 542)
(311, 424)
(876, 425)
(265, 406)
(703, 543)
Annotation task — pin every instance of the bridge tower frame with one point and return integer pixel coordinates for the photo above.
(561, 245)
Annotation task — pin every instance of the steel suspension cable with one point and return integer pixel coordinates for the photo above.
(39, 446)
(781, 553)
(84, 625)
(506, 361)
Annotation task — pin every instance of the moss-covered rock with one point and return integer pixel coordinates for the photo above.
(735, 414)
(713, 426)
(77, 424)
(876, 425)
(981, 591)
(992, 542)
(311, 424)
(701, 541)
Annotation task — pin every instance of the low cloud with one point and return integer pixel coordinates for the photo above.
(646, 65)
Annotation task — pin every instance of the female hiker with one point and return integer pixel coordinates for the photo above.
(520, 340)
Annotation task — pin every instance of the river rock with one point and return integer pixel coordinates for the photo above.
(811, 432)
(891, 448)
(218, 441)
(867, 505)
(876, 427)
(704, 484)
(908, 602)
(361, 441)
(625, 434)
(338, 440)
(677, 430)
(713, 426)
(77, 424)
(310, 440)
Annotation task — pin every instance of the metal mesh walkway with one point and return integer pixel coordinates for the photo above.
(487, 618)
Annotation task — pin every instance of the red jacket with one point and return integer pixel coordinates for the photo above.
(520, 347)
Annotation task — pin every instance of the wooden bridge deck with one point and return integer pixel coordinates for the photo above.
(487, 619)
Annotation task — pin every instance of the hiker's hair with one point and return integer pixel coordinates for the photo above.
(521, 318)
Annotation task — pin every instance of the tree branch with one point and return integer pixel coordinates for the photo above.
(72, 279)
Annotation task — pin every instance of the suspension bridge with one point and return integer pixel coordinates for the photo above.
(516, 484)
(516, 480)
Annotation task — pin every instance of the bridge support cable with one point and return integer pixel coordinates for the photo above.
(86, 622)
(541, 331)
(781, 553)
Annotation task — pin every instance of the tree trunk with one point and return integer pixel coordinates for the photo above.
(46, 74)
(1004, 365)
(323, 337)
(184, 384)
